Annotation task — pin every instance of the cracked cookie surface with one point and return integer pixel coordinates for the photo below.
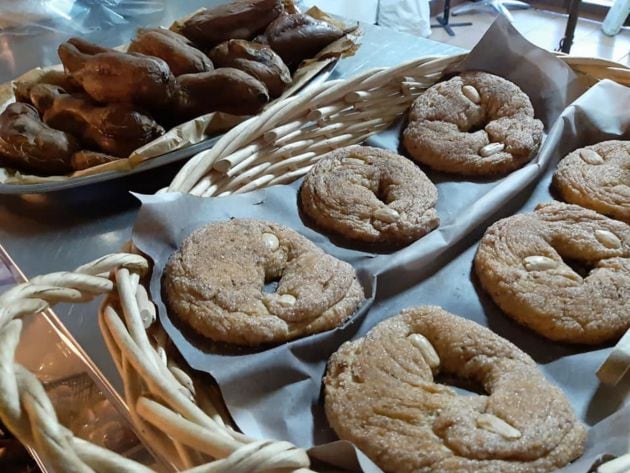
(474, 124)
(563, 271)
(371, 195)
(215, 283)
(381, 394)
(597, 177)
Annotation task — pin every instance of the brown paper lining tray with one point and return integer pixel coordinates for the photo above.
(177, 409)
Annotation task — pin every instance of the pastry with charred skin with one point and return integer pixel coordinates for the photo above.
(29, 145)
(86, 158)
(117, 129)
(111, 76)
(298, 36)
(242, 19)
(225, 89)
(176, 50)
(257, 60)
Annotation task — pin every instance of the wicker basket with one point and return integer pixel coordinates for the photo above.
(184, 423)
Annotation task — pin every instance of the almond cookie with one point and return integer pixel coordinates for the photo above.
(597, 177)
(381, 394)
(215, 282)
(524, 263)
(475, 124)
(370, 194)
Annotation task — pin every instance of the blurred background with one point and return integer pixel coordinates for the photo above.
(30, 30)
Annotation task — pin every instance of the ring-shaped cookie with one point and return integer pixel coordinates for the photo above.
(474, 124)
(380, 393)
(215, 283)
(370, 194)
(525, 262)
(597, 177)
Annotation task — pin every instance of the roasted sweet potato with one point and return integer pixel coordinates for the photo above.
(29, 145)
(176, 50)
(257, 60)
(116, 129)
(241, 19)
(110, 76)
(222, 90)
(86, 158)
(298, 36)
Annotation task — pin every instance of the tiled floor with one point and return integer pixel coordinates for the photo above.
(544, 29)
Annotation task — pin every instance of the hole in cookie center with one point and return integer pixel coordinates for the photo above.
(271, 287)
(477, 126)
(382, 192)
(464, 387)
(580, 267)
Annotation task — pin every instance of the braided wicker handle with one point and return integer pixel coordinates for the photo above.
(180, 422)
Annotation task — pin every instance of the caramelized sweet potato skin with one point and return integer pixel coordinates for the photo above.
(116, 129)
(29, 145)
(110, 76)
(86, 158)
(257, 60)
(297, 36)
(225, 89)
(176, 50)
(241, 19)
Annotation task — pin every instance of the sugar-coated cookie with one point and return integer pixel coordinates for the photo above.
(381, 394)
(215, 283)
(370, 194)
(474, 124)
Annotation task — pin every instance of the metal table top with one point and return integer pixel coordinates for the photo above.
(60, 231)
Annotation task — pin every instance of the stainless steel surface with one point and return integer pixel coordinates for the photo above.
(62, 230)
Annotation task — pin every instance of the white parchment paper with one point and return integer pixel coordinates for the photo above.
(276, 393)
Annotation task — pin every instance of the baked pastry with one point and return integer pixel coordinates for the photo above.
(22, 87)
(28, 144)
(597, 177)
(298, 36)
(370, 194)
(257, 60)
(109, 76)
(215, 283)
(241, 19)
(381, 394)
(86, 158)
(176, 50)
(525, 263)
(475, 124)
(117, 129)
(225, 89)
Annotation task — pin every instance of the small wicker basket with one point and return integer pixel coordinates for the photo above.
(181, 419)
